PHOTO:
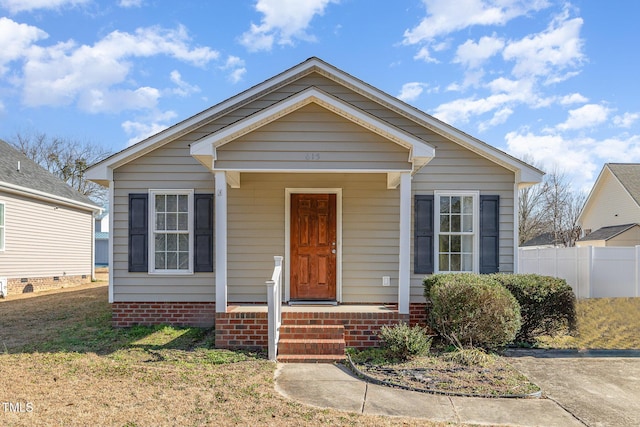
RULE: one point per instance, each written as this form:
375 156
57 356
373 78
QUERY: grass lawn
603 323
62 364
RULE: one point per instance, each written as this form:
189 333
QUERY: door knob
333 251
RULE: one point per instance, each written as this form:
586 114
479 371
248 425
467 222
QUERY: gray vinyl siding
256 217
458 169
169 167
369 241
45 239
312 138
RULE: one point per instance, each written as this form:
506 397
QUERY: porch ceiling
417 152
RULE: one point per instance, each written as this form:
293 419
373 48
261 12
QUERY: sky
553 82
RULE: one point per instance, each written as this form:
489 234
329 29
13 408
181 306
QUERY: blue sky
548 80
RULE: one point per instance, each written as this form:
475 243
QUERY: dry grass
603 323
58 352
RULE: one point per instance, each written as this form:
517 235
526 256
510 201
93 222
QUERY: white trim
220 208
287 235
476 226
112 188
3 226
52 198
516 227
404 266
152 230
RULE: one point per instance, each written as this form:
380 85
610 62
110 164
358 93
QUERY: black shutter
423 238
138 232
489 234
203 233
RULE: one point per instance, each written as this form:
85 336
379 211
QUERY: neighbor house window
456 229
2 227
171 239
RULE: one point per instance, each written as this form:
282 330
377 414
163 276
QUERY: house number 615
312 156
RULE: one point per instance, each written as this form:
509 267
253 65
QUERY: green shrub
547 304
404 342
472 310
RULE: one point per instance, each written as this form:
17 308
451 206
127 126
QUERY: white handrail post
274 307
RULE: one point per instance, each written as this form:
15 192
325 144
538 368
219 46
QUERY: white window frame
152 230
475 233
3 226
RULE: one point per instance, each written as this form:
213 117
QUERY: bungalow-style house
362 194
611 214
46 228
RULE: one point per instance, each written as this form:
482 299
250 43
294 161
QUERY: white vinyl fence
592 272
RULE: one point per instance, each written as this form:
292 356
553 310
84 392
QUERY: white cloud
411 91
15 6
282 22
472 54
588 115
550 52
626 120
498 118
574 98
183 88
113 101
15 39
571 156
147 126
236 68
65 72
446 16
130 3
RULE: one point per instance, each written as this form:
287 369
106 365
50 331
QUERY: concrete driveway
599 388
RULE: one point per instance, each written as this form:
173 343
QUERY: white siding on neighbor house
370 223
311 138
169 167
610 204
45 239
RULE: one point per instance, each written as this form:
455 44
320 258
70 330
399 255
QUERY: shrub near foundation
470 310
547 304
404 342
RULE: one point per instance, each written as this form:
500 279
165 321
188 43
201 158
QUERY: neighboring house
361 193
612 210
102 239
544 240
46 227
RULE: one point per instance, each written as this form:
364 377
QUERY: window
171 239
2 227
456 226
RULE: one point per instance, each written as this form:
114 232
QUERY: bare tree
65 158
553 207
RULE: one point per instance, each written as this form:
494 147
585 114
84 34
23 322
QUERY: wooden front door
313 247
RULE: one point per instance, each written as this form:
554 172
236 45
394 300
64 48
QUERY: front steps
311 343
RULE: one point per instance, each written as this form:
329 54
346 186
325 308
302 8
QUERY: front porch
311 332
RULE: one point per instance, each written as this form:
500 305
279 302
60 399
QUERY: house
541 241
46 228
361 193
611 214
102 239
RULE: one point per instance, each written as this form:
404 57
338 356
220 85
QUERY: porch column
405 243
221 241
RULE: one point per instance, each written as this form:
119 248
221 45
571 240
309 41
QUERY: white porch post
221 241
405 243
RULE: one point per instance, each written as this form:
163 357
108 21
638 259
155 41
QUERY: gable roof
627 174
20 174
544 239
525 174
606 233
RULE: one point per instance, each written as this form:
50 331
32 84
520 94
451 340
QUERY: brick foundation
24 285
248 329
126 314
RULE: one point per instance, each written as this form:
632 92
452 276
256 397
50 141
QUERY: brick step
305 346
311 332
310 358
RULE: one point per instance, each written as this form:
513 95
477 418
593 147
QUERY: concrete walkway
333 386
